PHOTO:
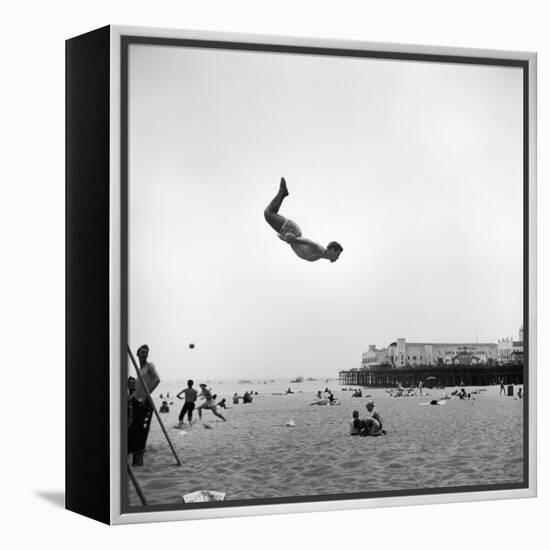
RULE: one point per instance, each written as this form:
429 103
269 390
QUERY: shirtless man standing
289 232
141 407
189 404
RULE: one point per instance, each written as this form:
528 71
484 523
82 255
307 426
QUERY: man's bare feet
282 188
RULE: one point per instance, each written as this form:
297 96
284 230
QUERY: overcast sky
415 168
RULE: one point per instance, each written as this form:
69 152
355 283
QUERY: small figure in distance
290 232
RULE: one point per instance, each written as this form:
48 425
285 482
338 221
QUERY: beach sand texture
254 455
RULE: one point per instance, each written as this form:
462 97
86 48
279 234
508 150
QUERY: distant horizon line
256 380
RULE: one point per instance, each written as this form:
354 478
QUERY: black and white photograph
275 274
326 274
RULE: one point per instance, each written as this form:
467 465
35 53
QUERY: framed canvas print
300 274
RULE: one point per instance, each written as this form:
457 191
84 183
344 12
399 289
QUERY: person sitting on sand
364 427
289 232
357 425
209 403
235 399
164 408
222 404
189 403
373 428
319 395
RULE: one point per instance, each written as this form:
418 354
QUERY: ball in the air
191 346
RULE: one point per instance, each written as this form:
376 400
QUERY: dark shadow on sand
56 498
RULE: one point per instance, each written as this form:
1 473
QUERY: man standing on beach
189 404
141 407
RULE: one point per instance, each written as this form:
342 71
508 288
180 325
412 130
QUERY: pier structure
433 376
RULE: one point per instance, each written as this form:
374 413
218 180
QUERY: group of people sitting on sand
371 424
247 397
325 398
462 394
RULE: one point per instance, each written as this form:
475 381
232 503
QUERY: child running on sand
289 232
209 403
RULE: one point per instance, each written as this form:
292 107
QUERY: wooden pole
136 486
138 371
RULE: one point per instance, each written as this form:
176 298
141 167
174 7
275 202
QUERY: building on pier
402 354
444 364
510 350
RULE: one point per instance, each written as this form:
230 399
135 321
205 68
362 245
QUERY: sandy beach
254 455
